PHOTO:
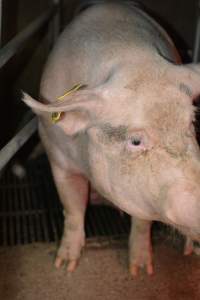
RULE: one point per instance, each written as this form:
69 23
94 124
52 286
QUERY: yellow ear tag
55 116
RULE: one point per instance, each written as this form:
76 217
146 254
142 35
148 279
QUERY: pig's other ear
194 67
78 111
190 78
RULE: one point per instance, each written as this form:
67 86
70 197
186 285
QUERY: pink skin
140 238
128 131
177 210
73 192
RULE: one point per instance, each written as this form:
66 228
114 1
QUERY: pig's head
143 153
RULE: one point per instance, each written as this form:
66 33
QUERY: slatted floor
30 210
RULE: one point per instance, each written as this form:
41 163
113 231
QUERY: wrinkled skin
129 131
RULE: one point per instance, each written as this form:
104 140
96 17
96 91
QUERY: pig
128 130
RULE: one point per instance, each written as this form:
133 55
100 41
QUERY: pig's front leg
140 248
73 193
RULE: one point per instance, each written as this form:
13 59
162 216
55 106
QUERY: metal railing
196 52
6 53
17 142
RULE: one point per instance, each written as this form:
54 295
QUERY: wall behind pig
178 17
24 70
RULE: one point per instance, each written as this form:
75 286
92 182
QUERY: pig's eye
135 141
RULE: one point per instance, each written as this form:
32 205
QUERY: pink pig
129 130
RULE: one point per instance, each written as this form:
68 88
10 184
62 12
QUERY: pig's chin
189 232
192 232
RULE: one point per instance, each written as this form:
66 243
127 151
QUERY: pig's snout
182 206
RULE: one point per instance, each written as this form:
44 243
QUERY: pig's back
101 37
109 29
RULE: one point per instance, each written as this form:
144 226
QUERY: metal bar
56 21
1 7
197 43
17 142
54 24
12 47
196 53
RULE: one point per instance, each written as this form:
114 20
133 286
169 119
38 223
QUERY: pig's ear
78 111
190 79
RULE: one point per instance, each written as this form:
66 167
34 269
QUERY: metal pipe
7 52
9 150
197 43
196 53
12 47
1 8
54 24
56 21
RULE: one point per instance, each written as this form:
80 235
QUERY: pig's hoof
70 249
72 264
190 247
140 258
136 266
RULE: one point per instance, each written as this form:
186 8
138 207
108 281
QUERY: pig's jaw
133 209
189 232
133 203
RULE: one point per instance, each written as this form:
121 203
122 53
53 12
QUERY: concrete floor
27 273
